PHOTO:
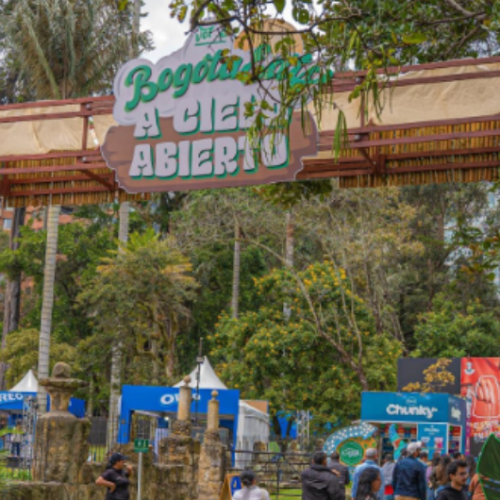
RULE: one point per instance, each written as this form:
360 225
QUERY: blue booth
165 400
438 420
13 402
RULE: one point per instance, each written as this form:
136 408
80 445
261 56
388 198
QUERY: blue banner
14 402
434 437
404 407
166 400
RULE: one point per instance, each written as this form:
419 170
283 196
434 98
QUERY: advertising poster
480 386
434 437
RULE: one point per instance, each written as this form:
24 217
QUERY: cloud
168 34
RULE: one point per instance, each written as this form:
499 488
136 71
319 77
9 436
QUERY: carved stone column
212 457
61 442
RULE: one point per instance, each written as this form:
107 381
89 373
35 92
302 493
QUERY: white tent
208 377
29 383
253 424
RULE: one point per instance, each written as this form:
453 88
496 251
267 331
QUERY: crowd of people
412 477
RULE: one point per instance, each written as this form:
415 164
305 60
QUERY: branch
457 6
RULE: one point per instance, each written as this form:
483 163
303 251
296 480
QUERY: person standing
371 455
388 473
369 484
430 476
341 470
409 476
476 489
319 482
250 490
116 478
457 477
16 440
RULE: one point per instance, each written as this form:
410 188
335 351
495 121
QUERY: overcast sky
168 34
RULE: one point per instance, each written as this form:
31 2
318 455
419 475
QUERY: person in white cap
371 455
409 476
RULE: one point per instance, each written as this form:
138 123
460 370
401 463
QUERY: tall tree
12 301
64 49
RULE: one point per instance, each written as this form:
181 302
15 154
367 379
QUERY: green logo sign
141 445
351 453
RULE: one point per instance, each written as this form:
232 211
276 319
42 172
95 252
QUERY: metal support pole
139 478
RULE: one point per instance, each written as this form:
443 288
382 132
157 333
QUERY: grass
288 495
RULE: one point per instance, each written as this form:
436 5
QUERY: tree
449 331
64 48
143 292
371 35
319 358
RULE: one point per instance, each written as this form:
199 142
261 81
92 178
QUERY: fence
278 472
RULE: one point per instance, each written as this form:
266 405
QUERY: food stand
437 420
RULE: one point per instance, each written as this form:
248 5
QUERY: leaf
414 38
280 5
300 15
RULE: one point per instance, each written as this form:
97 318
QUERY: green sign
351 453
141 445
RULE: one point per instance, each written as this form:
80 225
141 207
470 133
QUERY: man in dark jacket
319 482
341 470
456 489
409 476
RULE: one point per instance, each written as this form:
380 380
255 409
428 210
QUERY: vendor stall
163 401
12 401
438 420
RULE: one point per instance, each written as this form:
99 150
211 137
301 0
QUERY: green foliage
318 358
21 353
66 48
450 331
141 294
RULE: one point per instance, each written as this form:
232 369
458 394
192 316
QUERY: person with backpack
250 490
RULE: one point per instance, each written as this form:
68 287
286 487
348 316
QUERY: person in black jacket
456 489
319 482
342 470
116 478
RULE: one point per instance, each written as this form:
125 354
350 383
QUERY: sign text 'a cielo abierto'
183 122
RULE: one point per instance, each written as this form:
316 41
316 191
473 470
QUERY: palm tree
65 49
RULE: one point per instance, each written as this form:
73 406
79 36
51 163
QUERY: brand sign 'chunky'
183 122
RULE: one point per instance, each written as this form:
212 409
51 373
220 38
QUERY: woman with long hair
369 484
430 475
250 490
441 475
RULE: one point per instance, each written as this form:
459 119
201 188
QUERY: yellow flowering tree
318 359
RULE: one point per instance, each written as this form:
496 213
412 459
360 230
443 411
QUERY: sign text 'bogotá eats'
182 122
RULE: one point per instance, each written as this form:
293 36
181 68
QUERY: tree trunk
289 253
116 354
49 274
236 272
12 307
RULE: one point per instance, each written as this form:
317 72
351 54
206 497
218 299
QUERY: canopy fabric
208 377
28 383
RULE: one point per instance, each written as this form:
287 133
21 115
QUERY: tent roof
208 377
29 383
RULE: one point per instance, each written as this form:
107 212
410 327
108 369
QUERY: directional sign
141 445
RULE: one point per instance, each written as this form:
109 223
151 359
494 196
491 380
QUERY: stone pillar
184 408
179 452
61 441
212 457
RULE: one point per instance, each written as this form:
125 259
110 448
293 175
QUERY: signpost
140 446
